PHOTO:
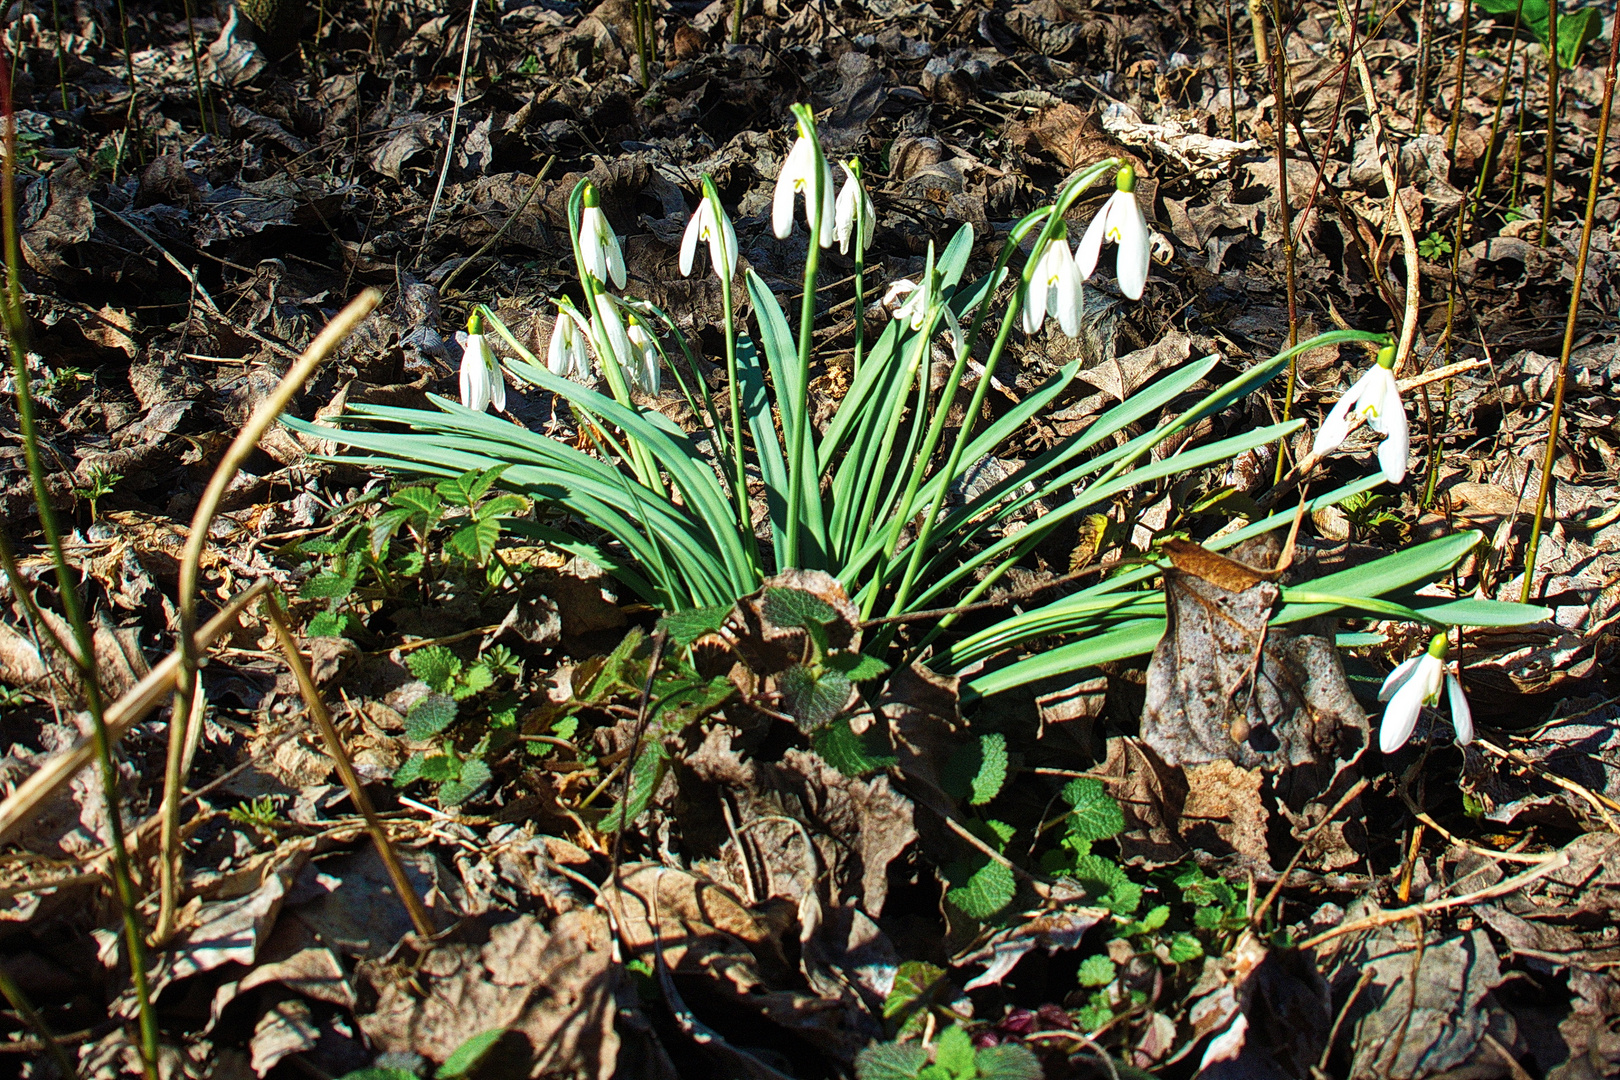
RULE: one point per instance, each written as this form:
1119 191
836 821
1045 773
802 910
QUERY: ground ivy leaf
1096 971
986 894
846 751
992 771
891 1061
1096 816
435 665
953 1052
1008 1062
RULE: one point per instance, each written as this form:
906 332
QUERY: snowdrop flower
1054 287
643 366
1120 221
481 380
566 355
598 247
1377 399
911 303
1414 684
710 224
852 196
800 173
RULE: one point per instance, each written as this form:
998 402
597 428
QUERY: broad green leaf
440 768
332 584
858 667
1097 875
328 624
476 542
917 985
1184 947
429 716
685 627
435 665
473 775
992 772
644 780
410 771
1096 971
1575 27
797 608
891 1061
986 894
846 751
680 703
1009 1061
420 501
478 679
466 1057
953 1052
380 1074
813 697
1095 814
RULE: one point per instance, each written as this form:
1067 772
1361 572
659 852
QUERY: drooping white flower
1121 222
566 355
482 382
800 173
850 197
598 247
1376 398
710 224
1415 683
1054 287
643 367
910 303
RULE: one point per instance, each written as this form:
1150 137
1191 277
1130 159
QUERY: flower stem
1574 310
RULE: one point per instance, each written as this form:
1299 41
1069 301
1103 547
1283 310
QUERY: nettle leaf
1096 874
469 1054
992 768
335 584
796 607
440 767
840 747
1184 947
1095 815
1009 1062
858 667
1096 971
473 774
410 771
953 1052
328 624
891 1061
476 542
685 627
435 665
813 697
986 894
429 716
478 678
644 780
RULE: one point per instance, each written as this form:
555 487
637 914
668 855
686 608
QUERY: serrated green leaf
1096 874
679 704
410 771
891 1061
435 665
1095 815
418 500
503 505
328 624
858 667
986 894
384 526
331 584
477 680
644 779
380 1074
685 627
476 542
1155 918
814 698
796 608
473 774
1124 898
469 487
440 768
1184 947
1009 1061
916 982
848 752
466 1057
953 1052
430 715
992 772
1096 971
998 833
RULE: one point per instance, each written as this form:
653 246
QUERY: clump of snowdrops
692 521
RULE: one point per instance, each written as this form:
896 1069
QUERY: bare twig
455 117
247 440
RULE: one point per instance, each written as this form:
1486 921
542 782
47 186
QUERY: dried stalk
247 440
322 717
1574 302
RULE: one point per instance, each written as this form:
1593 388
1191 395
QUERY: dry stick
1457 94
1282 878
1602 804
1420 90
1385 918
539 178
1409 318
1552 129
1496 115
322 716
124 714
1279 91
247 440
1574 304
455 116
1257 24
